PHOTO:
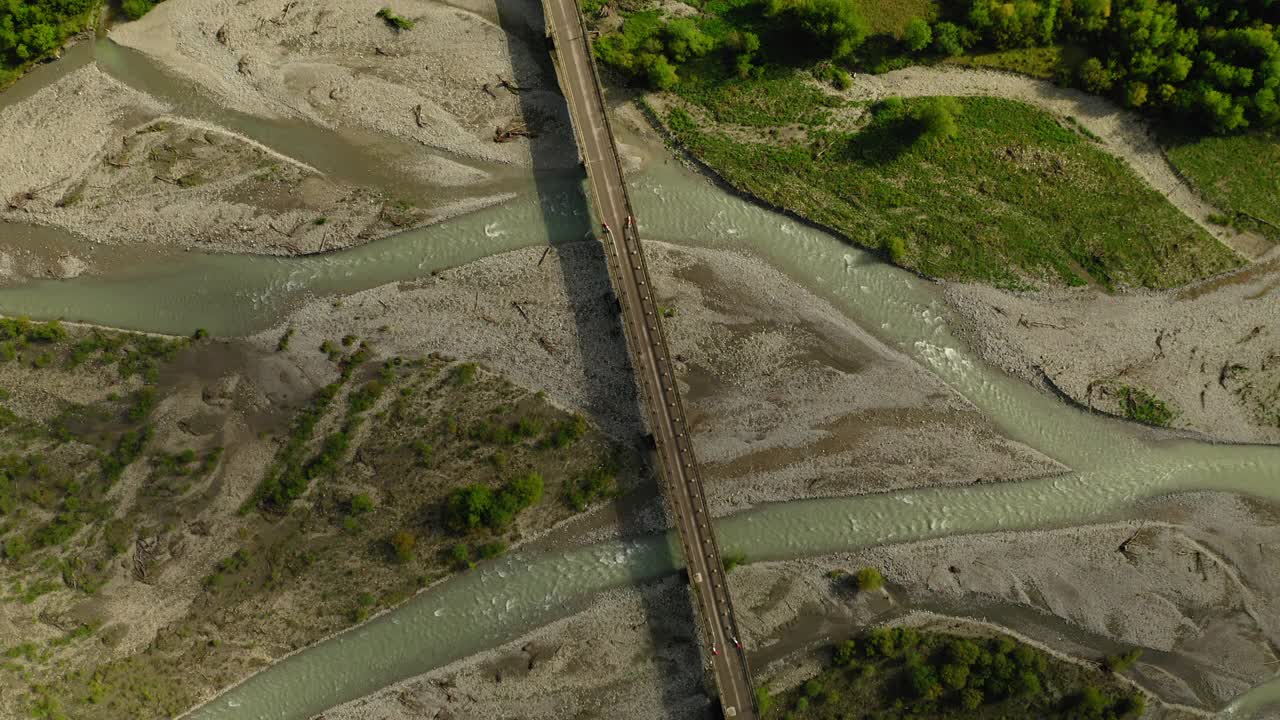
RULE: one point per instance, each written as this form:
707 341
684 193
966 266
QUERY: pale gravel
1174 344
59 132
1122 133
743 405
336 64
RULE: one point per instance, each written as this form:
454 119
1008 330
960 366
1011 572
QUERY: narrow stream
1116 463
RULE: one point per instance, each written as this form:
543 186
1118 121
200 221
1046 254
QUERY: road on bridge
642 323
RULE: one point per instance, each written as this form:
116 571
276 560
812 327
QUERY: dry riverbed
1208 353
103 161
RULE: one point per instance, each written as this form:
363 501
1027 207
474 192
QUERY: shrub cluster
474 507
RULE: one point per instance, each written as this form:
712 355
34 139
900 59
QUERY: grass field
1013 199
1040 62
1238 174
891 16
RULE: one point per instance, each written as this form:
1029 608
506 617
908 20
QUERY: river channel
1116 464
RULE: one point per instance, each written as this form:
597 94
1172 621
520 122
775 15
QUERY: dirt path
1122 133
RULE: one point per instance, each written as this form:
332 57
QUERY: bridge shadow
601 344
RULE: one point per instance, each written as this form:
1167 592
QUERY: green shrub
464 374
403 544
460 557
869 579
1121 662
395 21
733 560
1144 407
360 504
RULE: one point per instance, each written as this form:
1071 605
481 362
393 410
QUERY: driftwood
544 256
520 310
489 91
505 83
221 35
1024 322
417 116
546 345
517 130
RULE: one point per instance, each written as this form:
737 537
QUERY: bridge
642 324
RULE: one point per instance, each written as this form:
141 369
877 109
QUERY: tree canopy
30 29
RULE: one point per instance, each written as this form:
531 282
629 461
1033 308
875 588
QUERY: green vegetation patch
1239 174
891 16
1040 62
1142 406
997 192
394 20
901 673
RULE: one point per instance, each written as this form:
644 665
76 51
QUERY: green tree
946 39
466 508
971 699
955 675
846 653
836 27
936 118
685 41
917 35
661 73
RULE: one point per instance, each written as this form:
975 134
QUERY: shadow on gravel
601 344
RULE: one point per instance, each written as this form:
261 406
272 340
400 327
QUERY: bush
917 35
733 560
937 118
1121 662
464 374
897 248
869 579
402 546
460 557
360 504
845 654
395 21
947 39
